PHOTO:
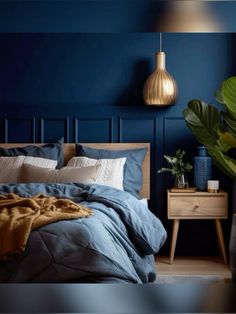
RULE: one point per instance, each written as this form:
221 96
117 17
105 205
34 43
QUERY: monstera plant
216 129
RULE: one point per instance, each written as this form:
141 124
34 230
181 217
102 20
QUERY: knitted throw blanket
20 215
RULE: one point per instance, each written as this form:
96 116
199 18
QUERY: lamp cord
160 42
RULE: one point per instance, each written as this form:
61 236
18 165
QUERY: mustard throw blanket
20 215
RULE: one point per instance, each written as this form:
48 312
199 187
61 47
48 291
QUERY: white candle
213 186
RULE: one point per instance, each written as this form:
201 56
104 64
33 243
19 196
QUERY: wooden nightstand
198 205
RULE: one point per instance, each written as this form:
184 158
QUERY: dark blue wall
87 87
100 15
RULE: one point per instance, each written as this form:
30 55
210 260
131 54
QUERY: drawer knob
195 207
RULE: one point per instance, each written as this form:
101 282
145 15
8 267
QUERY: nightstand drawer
197 206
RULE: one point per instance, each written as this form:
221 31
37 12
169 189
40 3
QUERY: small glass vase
181 181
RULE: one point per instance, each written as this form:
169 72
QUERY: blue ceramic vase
202 167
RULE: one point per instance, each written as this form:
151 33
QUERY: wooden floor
193 266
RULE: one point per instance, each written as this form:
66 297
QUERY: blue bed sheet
115 244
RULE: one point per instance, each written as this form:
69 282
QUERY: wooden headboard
69 152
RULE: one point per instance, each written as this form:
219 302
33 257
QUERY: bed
116 243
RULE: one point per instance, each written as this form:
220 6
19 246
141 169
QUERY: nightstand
197 205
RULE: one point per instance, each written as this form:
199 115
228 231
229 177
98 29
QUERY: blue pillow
50 151
133 178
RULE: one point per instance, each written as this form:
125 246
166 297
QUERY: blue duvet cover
115 244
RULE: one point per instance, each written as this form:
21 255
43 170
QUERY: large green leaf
226 141
207 125
222 161
219 96
204 121
228 92
230 123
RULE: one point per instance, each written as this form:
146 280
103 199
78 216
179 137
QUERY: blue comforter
115 244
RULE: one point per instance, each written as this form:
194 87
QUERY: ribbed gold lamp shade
160 88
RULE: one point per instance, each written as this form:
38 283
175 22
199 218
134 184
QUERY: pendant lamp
160 88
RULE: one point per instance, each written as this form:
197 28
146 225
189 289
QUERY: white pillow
10 167
64 175
110 173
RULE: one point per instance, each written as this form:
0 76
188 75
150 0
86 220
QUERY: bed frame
69 152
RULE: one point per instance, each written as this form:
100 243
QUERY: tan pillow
66 174
10 167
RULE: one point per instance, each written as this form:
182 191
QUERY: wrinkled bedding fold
21 215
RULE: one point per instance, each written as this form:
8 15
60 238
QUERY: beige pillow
110 173
10 167
66 174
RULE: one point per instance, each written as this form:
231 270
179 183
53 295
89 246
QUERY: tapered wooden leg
220 238
174 239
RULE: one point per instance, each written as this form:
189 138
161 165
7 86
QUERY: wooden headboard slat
69 152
